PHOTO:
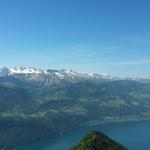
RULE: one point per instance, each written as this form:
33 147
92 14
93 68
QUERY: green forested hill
98 141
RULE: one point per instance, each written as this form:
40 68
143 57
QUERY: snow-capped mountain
50 76
4 71
32 73
43 78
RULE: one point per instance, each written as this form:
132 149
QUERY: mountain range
38 104
56 76
51 74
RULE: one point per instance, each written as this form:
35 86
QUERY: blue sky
103 36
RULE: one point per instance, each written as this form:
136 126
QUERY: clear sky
103 36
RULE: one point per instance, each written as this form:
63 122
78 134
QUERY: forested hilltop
98 141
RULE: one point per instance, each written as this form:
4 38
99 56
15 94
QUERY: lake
133 135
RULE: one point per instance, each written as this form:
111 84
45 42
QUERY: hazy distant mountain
98 141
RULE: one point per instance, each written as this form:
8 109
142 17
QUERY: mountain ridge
32 73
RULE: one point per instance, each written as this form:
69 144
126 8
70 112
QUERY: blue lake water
133 135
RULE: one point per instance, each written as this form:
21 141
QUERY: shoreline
115 120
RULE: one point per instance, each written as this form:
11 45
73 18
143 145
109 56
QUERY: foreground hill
98 141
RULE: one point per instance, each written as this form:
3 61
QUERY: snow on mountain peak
26 70
4 71
31 73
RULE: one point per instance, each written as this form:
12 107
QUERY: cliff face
98 141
